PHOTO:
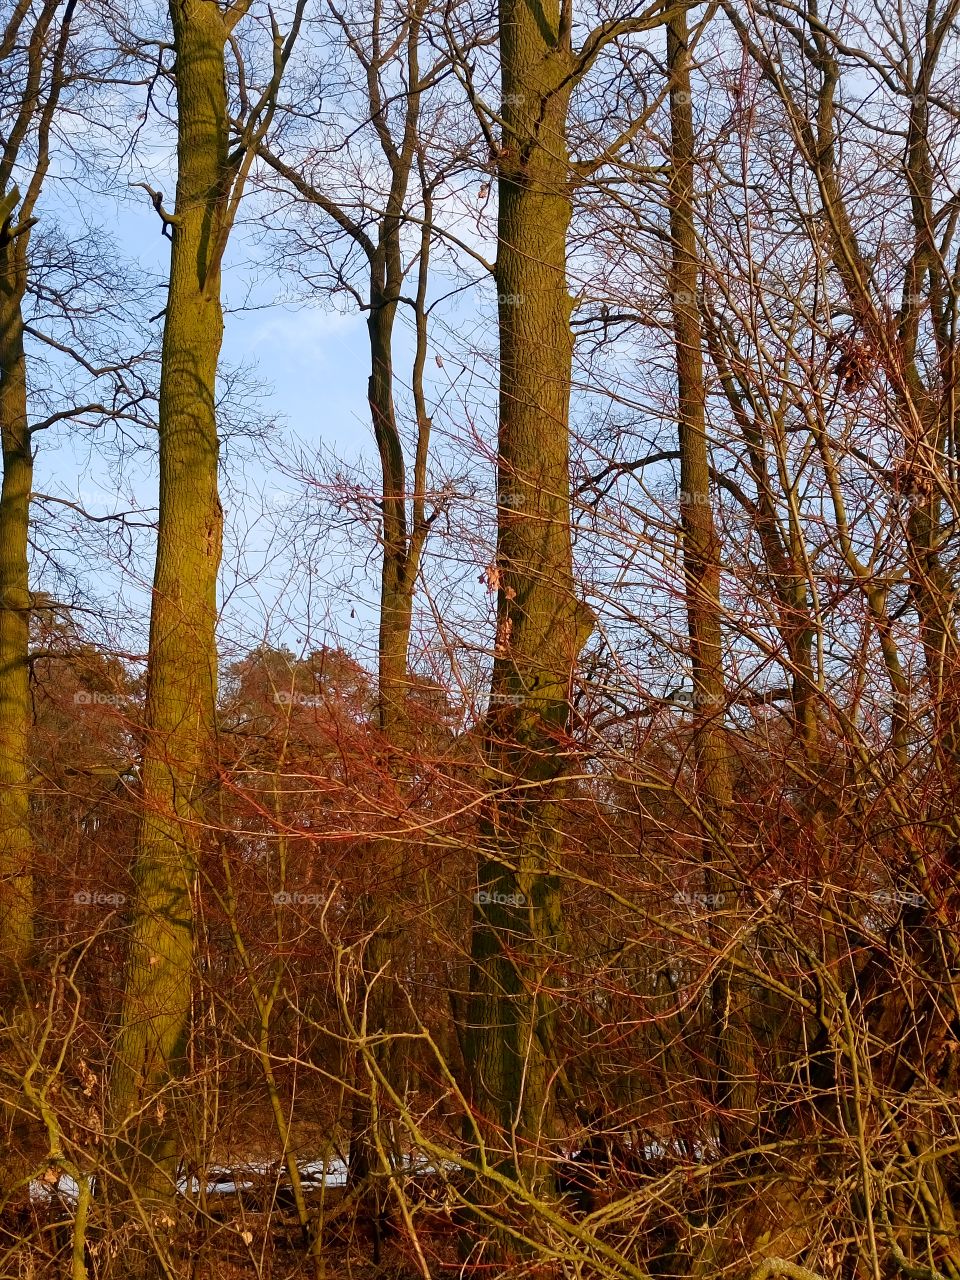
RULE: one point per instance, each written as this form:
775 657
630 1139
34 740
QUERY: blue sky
310 360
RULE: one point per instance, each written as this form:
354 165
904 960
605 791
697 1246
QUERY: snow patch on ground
222 1180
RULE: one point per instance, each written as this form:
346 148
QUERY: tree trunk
16 842
541 625
731 1041
397 581
178 763
402 545
396 594
16 846
39 70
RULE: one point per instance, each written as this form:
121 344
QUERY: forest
479 639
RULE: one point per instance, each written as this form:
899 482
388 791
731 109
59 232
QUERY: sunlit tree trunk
179 755
541 625
37 46
16 842
403 534
397 584
16 897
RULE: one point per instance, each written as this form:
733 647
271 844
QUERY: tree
179 762
542 625
732 1048
68 358
387 48
30 33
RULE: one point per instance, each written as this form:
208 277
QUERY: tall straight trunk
380 915
40 61
731 1042
16 846
403 542
396 589
541 625
26 131
16 842
178 763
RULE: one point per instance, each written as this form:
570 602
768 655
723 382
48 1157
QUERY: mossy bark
541 625
179 755
40 34
16 840
16 845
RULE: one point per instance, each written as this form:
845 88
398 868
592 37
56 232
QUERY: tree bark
403 541
16 839
541 626
16 844
179 756
27 132
379 909
731 1041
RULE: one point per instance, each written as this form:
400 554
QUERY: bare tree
179 762
30 33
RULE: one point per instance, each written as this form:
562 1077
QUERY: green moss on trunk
541 625
16 896
179 755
